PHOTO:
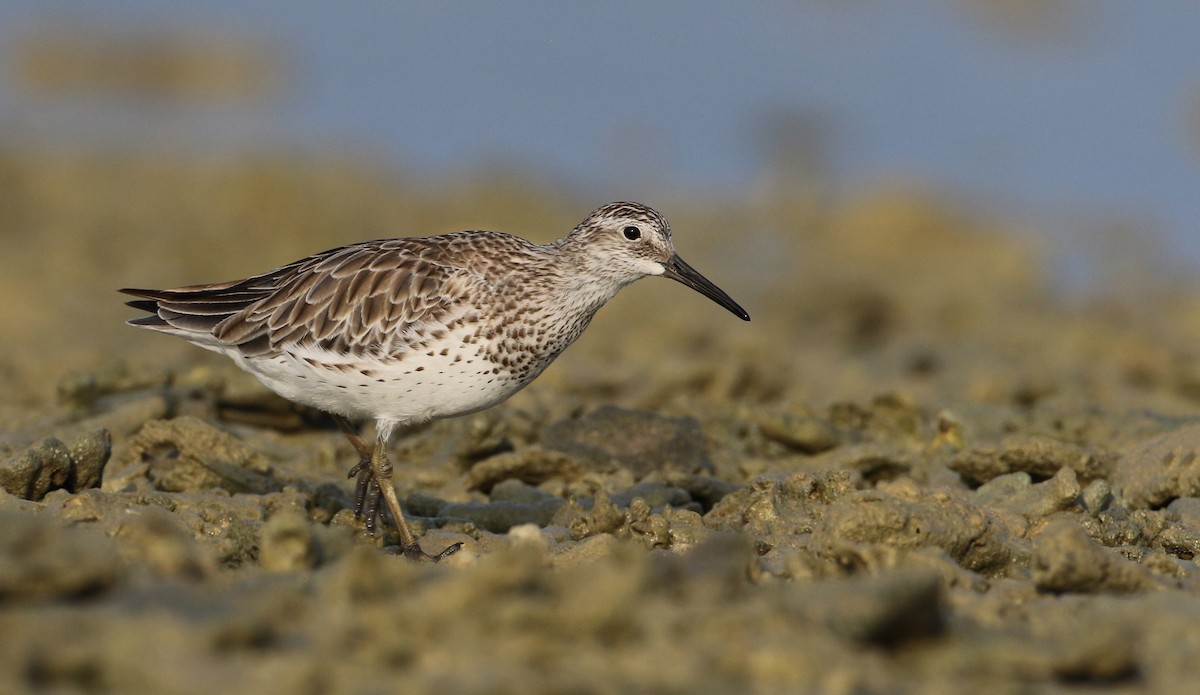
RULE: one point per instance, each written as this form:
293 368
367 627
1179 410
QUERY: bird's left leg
366 489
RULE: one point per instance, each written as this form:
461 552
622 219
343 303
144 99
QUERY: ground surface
914 471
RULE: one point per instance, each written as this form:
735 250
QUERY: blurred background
887 156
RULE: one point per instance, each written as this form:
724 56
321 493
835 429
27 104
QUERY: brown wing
348 299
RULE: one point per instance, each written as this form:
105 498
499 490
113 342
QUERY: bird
407 330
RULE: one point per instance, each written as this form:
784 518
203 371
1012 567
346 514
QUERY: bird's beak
676 269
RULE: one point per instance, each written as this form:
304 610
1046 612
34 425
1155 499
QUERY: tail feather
144 304
196 310
205 308
151 321
197 323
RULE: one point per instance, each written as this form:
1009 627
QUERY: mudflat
920 468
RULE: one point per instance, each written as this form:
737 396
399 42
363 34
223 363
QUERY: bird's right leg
381 471
374 472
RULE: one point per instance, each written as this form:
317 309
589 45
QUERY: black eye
632 233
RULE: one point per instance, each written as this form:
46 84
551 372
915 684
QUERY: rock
656 496
889 418
39 470
1040 457
966 533
1066 559
1097 496
641 441
1118 526
641 523
1014 492
513 490
1159 469
1187 511
602 517
532 465
777 504
873 461
804 433
88 458
52 466
189 454
499 517
1181 541
685 529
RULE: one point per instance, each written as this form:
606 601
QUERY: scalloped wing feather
354 298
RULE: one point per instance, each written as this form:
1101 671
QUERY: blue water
1086 130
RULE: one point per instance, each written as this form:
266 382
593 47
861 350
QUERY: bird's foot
414 552
367 496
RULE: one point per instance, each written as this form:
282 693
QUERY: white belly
417 388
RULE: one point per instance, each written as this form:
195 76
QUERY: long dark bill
676 269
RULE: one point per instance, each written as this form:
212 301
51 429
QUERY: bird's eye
632 233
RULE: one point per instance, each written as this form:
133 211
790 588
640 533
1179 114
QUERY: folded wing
351 299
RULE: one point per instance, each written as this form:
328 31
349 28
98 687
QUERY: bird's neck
582 280
564 294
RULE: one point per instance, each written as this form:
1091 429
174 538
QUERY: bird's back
349 298
403 328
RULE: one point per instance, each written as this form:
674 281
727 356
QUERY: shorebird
407 330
